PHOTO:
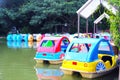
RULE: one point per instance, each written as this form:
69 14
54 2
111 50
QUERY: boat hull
88 74
50 61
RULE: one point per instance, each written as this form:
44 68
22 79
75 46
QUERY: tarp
91 6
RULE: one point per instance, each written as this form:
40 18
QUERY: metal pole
119 64
87 26
78 25
119 73
94 28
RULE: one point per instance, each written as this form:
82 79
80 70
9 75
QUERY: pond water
17 63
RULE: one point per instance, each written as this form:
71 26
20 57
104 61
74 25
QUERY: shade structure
90 7
104 15
109 7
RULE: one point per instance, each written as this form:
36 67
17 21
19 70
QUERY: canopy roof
104 15
92 53
51 44
91 6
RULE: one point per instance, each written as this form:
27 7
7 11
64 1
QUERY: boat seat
107 58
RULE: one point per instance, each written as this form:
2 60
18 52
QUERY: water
17 63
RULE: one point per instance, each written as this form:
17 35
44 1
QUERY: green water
17 63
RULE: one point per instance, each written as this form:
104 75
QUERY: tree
12 4
6 18
115 23
8 14
36 14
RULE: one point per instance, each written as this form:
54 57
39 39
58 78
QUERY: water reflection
22 44
18 64
110 76
53 74
48 72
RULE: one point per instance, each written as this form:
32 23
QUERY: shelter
104 15
90 7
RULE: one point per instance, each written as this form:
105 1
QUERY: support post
94 28
87 26
78 25
119 63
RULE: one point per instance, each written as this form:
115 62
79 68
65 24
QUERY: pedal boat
52 49
90 57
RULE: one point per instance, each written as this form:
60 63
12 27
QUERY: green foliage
37 13
6 17
115 23
25 30
115 29
13 4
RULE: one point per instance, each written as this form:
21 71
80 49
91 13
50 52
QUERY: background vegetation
39 16
115 23
44 16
